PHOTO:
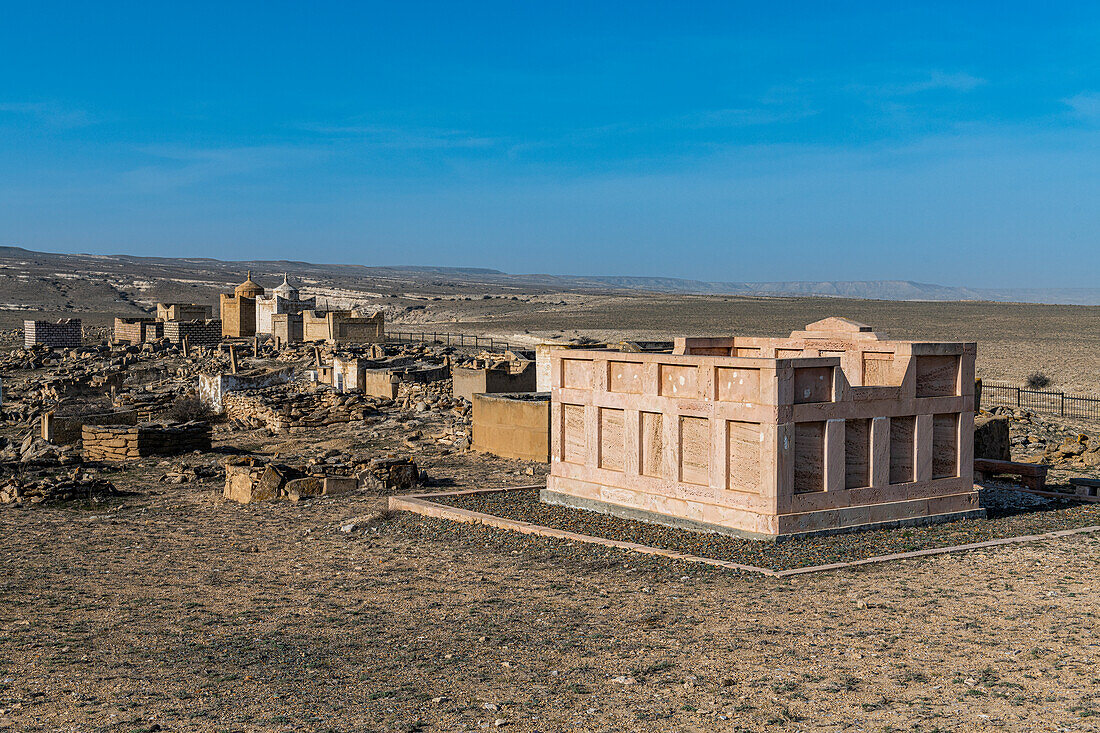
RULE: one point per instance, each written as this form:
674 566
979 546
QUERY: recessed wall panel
574 444
611 439
695 450
736 384
745 464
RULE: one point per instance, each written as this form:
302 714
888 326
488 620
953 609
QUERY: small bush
1038 380
187 408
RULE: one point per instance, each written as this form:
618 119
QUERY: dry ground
172 610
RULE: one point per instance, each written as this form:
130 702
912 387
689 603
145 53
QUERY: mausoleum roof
249 289
286 290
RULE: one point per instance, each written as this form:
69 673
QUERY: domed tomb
286 290
249 288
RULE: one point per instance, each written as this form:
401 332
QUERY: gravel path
1012 514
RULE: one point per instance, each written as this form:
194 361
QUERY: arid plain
168 608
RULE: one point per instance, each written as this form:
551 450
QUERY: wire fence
1041 401
455 339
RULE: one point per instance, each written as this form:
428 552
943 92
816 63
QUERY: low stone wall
285 411
147 405
128 442
197 333
513 425
65 429
213 388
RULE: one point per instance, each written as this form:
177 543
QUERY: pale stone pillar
783 490
834 455
591 436
719 450
632 442
923 449
880 452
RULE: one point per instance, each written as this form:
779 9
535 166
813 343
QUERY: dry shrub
1038 380
187 408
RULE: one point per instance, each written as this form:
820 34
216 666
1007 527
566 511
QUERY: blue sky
954 143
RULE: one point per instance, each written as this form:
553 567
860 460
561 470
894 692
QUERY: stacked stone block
115 443
256 480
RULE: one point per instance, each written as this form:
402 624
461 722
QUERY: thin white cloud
400 138
49 113
734 118
928 81
1085 105
175 167
956 82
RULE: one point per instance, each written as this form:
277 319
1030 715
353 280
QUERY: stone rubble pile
37 489
189 474
252 480
1078 451
1038 439
421 396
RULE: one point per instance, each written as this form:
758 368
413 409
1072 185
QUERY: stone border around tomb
554 498
422 504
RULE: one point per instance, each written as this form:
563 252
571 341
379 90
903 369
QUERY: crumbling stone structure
66 429
63 334
254 480
238 311
138 330
184 312
367 377
283 410
829 430
214 387
506 375
343 327
284 299
114 443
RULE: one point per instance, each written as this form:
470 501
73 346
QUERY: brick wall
138 330
198 333
63 334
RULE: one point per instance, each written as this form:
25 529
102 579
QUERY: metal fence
1050 403
455 339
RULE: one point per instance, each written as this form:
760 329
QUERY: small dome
248 288
286 290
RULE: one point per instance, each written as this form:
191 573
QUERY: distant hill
860 289
101 286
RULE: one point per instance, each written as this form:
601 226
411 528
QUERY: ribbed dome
286 290
248 288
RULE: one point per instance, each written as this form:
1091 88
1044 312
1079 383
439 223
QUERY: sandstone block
991 438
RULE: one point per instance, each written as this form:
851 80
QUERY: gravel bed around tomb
1011 514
